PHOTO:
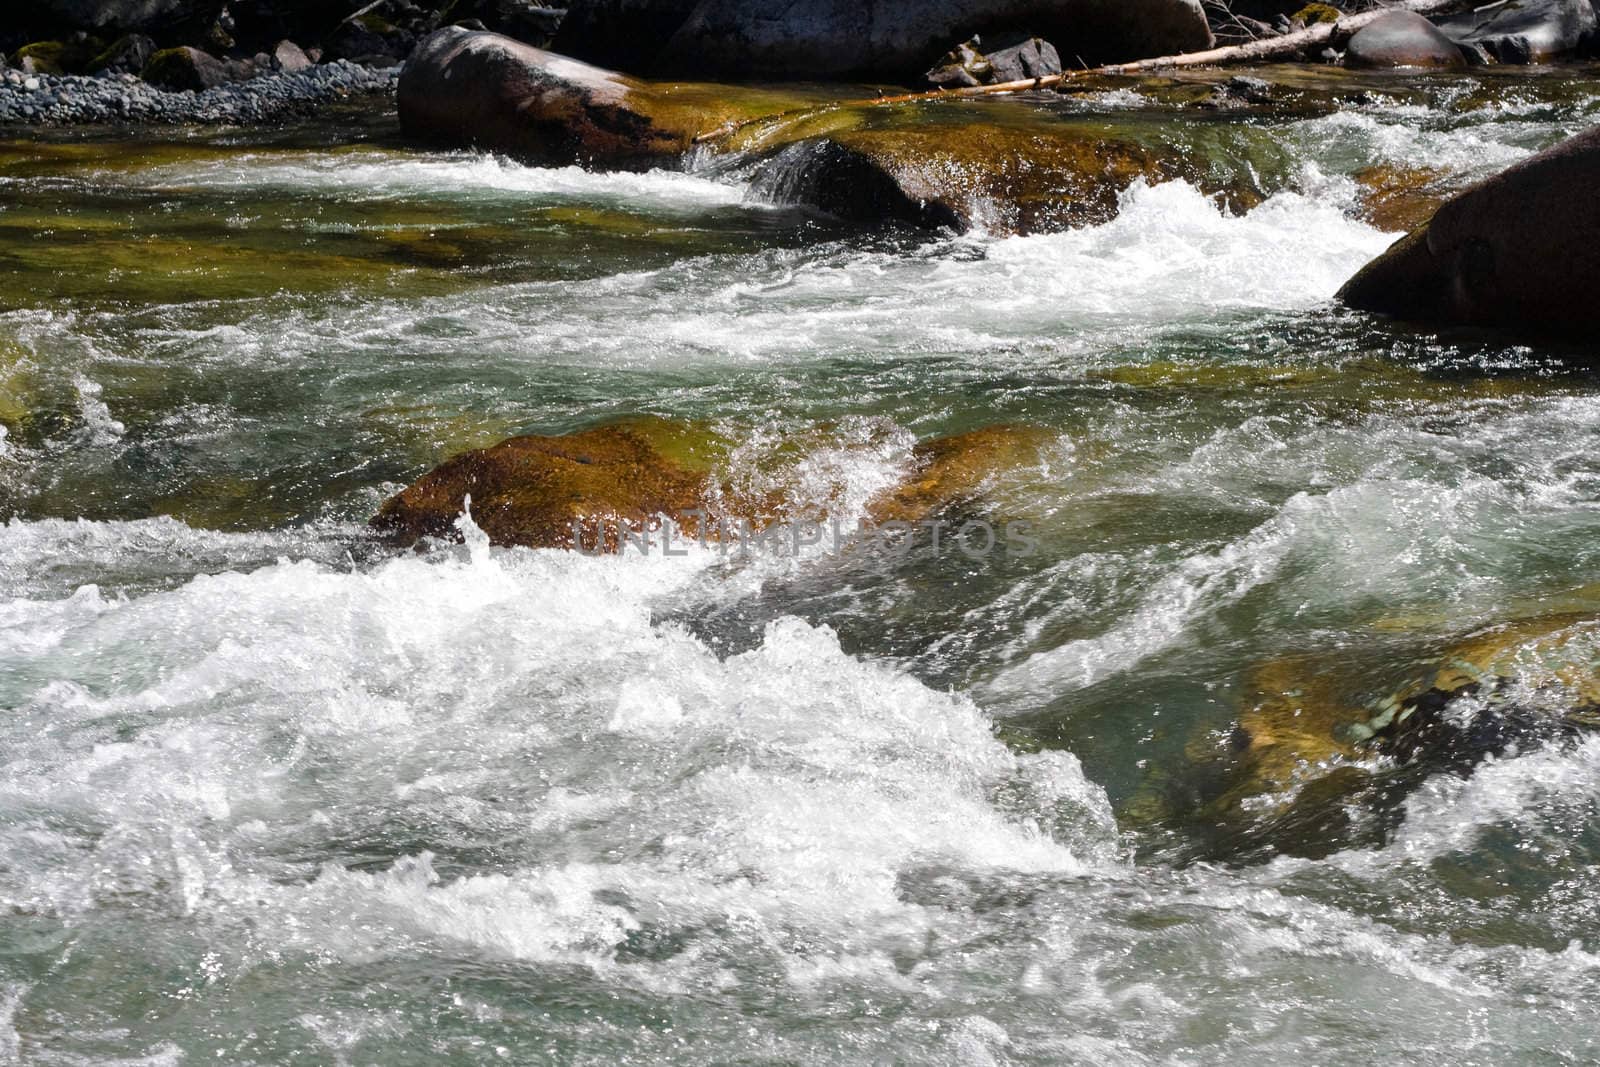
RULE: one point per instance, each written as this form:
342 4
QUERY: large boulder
978 173
123 15
1401 39
887 39
1522 31
580 490
1520 250
473 88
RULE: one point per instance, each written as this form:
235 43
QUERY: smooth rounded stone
472 88
1520 250
834 39
1401 39
1522 31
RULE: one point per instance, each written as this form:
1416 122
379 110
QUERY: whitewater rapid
270 789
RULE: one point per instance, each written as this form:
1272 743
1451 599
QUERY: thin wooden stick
1266 48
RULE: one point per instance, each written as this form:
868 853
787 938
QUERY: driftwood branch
1267 48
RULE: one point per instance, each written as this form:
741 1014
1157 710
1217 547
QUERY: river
272 791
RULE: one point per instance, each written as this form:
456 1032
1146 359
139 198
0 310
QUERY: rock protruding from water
872 39
537 492
1003 168
1520 250
1001 177
1522 31
584 490
1402 39
473 88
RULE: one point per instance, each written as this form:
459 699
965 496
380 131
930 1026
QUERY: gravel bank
40 99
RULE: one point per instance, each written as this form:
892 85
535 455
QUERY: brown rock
530 491
950 470
1401 39
1520 250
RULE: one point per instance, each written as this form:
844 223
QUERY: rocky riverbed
58 100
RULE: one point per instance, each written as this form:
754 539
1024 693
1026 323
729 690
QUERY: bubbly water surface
271 792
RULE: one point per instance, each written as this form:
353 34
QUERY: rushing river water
272 792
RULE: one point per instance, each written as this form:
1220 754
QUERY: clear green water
270 792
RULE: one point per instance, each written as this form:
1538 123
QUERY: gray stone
996 58
1522 31
1401 39
289 57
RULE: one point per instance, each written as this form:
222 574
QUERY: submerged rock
1400 199
1522 31
768 39
955 469
1402 39
1310 768
1520 250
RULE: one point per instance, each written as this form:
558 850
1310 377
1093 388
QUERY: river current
274 792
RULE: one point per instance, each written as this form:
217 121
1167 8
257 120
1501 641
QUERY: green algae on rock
1313 765
537 492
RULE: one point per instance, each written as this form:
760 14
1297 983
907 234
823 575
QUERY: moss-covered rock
128 54
184 68
542 492
72 56
1002 178
1312 14
537 492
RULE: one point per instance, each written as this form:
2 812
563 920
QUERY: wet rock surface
1520 251
1311 768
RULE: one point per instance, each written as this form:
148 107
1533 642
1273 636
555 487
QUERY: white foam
375 175
792 784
